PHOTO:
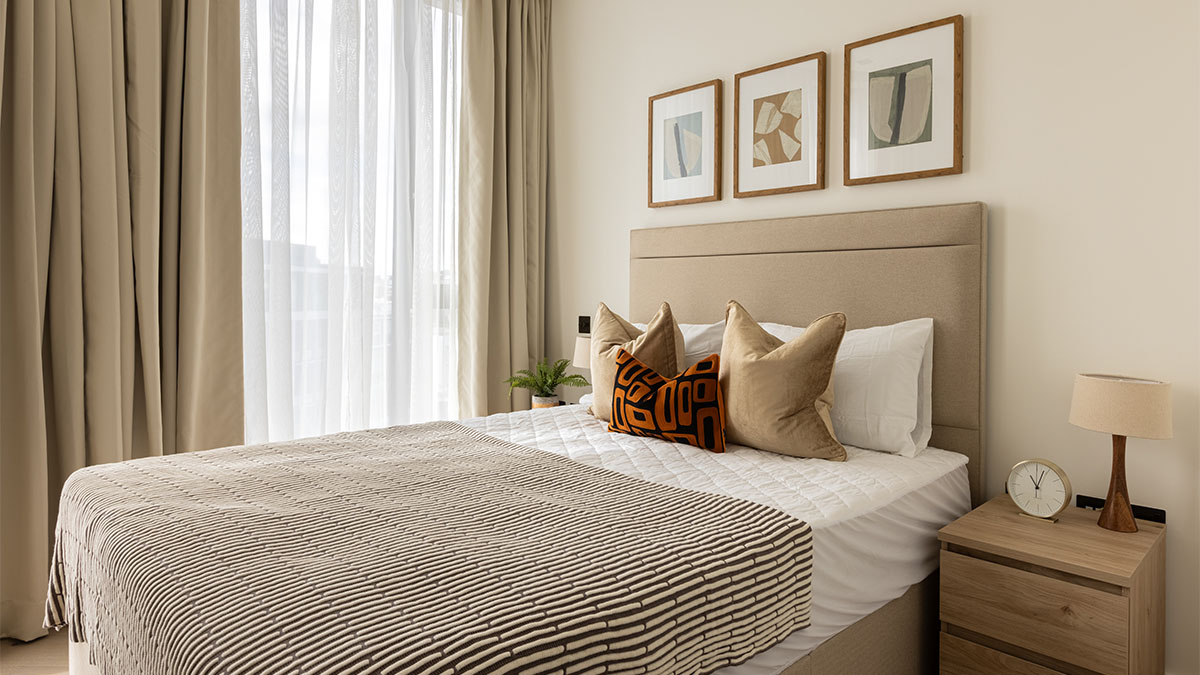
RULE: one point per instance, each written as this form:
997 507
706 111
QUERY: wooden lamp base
1117 514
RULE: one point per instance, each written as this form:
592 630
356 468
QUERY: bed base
899 638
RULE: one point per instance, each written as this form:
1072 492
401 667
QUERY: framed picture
685 145
779 128
904 104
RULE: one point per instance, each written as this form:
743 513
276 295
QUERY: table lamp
1121 406
583 352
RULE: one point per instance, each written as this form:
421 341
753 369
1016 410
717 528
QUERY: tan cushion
660 347
778 395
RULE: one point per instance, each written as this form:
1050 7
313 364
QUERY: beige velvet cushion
778 395
660 346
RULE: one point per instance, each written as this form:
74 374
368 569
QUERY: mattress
874 517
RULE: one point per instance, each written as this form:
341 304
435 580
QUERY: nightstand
1029 597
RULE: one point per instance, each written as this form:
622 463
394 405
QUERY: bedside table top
1075 544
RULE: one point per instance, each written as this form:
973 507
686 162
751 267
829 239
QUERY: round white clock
1039 487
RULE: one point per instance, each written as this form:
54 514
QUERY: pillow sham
884 383
778 395
687 408
660 347
699 340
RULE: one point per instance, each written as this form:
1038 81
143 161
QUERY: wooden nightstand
1027 597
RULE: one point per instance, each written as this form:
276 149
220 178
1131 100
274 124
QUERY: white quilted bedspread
820 492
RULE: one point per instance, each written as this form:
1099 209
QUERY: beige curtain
120 243
502 207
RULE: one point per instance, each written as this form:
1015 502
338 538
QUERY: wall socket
1140 512
1097 503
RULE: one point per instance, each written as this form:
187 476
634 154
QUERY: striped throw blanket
423 549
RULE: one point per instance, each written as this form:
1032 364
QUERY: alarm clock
1039 488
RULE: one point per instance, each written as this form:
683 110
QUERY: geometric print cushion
687 408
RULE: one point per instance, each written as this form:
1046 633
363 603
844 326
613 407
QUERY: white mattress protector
874 517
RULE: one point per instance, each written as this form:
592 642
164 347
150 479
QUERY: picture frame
888 133
781 146
684 154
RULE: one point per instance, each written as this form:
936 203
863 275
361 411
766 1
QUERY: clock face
1039 488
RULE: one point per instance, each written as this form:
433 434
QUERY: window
350 114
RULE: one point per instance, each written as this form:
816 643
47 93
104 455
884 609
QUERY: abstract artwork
779 127
684 136
900 102
903 104
777 130
684 156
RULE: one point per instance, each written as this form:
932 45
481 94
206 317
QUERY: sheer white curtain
350 126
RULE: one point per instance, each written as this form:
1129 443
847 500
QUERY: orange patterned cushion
687 408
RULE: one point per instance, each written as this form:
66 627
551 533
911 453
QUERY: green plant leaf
575 381
545 378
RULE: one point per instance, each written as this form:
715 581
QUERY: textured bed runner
421 549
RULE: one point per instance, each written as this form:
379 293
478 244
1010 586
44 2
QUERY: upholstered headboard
879 267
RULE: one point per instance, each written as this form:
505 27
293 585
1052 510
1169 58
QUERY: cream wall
1081 135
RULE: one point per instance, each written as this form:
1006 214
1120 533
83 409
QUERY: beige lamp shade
583 353
1122 406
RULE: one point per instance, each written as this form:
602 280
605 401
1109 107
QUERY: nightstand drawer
1076 624
959 657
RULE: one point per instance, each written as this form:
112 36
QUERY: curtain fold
503 198
350 122
26 176
119 253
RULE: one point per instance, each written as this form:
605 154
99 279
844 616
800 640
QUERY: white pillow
699 340
882 385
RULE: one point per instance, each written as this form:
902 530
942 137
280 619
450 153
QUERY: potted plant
543 382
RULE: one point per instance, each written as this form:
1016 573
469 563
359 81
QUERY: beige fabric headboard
879 267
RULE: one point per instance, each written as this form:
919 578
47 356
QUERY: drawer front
1075 624
959 657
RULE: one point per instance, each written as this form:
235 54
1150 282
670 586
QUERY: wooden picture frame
696 148
896 158
768 167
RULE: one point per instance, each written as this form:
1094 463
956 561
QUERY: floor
47 656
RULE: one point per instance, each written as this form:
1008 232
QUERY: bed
873 520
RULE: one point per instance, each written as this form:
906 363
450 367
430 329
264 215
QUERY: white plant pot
545 402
